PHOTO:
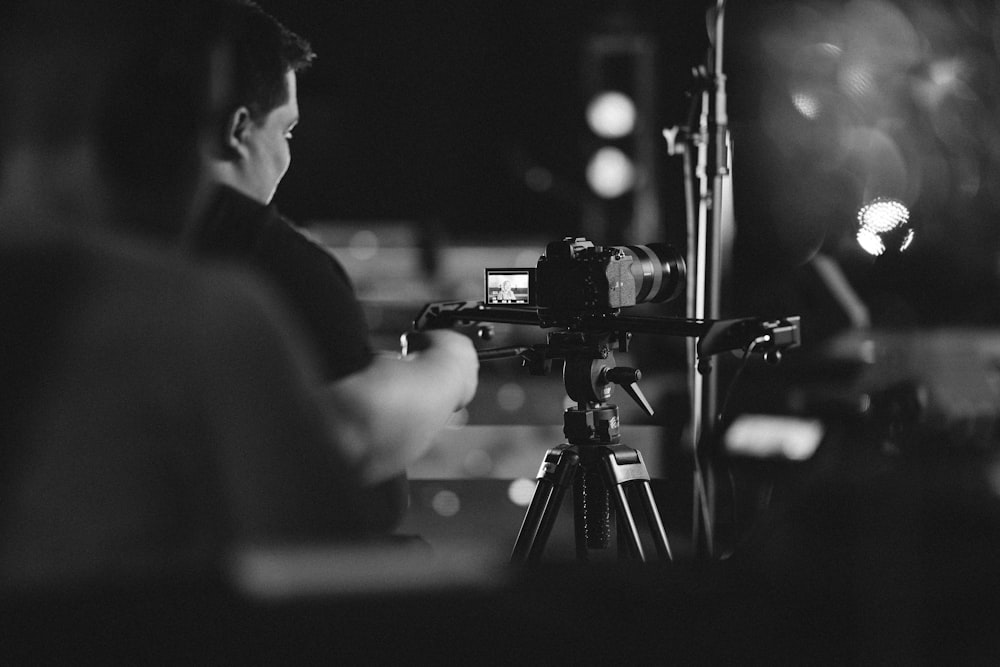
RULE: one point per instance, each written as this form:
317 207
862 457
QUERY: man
394 405
153 416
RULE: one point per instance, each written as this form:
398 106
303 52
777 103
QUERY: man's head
253 153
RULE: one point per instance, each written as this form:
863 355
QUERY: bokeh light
611 115
883 224
610 172
521 491
883 215
874 98
446 503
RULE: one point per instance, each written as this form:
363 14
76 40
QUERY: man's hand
386 416
451 349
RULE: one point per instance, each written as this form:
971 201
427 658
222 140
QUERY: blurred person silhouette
393 403
154 415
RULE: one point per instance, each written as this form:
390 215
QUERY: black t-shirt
317 290
310 278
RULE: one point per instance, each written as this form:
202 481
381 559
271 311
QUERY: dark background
430 111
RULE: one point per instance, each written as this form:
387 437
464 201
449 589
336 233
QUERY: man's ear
234 141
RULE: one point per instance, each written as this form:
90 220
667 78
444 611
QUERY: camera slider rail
768 336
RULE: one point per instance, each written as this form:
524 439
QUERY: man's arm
286 474
392 410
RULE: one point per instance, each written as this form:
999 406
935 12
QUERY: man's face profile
268 154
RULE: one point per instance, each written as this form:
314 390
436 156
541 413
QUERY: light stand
704 261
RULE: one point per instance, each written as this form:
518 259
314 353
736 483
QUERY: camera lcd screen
511 287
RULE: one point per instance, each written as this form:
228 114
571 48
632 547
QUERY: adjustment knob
628 378
623 375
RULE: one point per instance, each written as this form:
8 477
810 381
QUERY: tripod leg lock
625 465
558 466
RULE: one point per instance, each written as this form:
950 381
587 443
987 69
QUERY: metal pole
707 261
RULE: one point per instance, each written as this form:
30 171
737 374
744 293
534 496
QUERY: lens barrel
659 271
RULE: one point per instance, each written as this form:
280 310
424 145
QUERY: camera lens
658 270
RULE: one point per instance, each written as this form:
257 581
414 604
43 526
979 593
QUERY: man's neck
222 172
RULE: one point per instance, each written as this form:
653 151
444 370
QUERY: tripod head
589 371
586 343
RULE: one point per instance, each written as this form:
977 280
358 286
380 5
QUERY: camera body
577 276
574 274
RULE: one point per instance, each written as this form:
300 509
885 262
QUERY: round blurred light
538 179
446 503
883 225
611 115
882 215
610 173
807 104
521 491
870 242
858 80
363 244
510 397
477 463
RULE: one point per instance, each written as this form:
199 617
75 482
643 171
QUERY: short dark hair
264 51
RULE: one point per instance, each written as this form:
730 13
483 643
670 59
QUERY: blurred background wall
452 113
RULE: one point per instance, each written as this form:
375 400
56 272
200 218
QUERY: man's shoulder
238 225
144 286
286 243
287 230
232 224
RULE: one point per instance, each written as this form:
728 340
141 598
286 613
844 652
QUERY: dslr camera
576 276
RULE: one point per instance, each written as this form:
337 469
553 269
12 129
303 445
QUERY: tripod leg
556 473
624 465
655 523
626 524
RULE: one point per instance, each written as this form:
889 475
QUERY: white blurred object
610 172
774 436
959 369
883 224
611 115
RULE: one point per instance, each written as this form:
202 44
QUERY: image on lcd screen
512 287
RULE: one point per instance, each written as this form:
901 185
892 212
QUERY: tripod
593 461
